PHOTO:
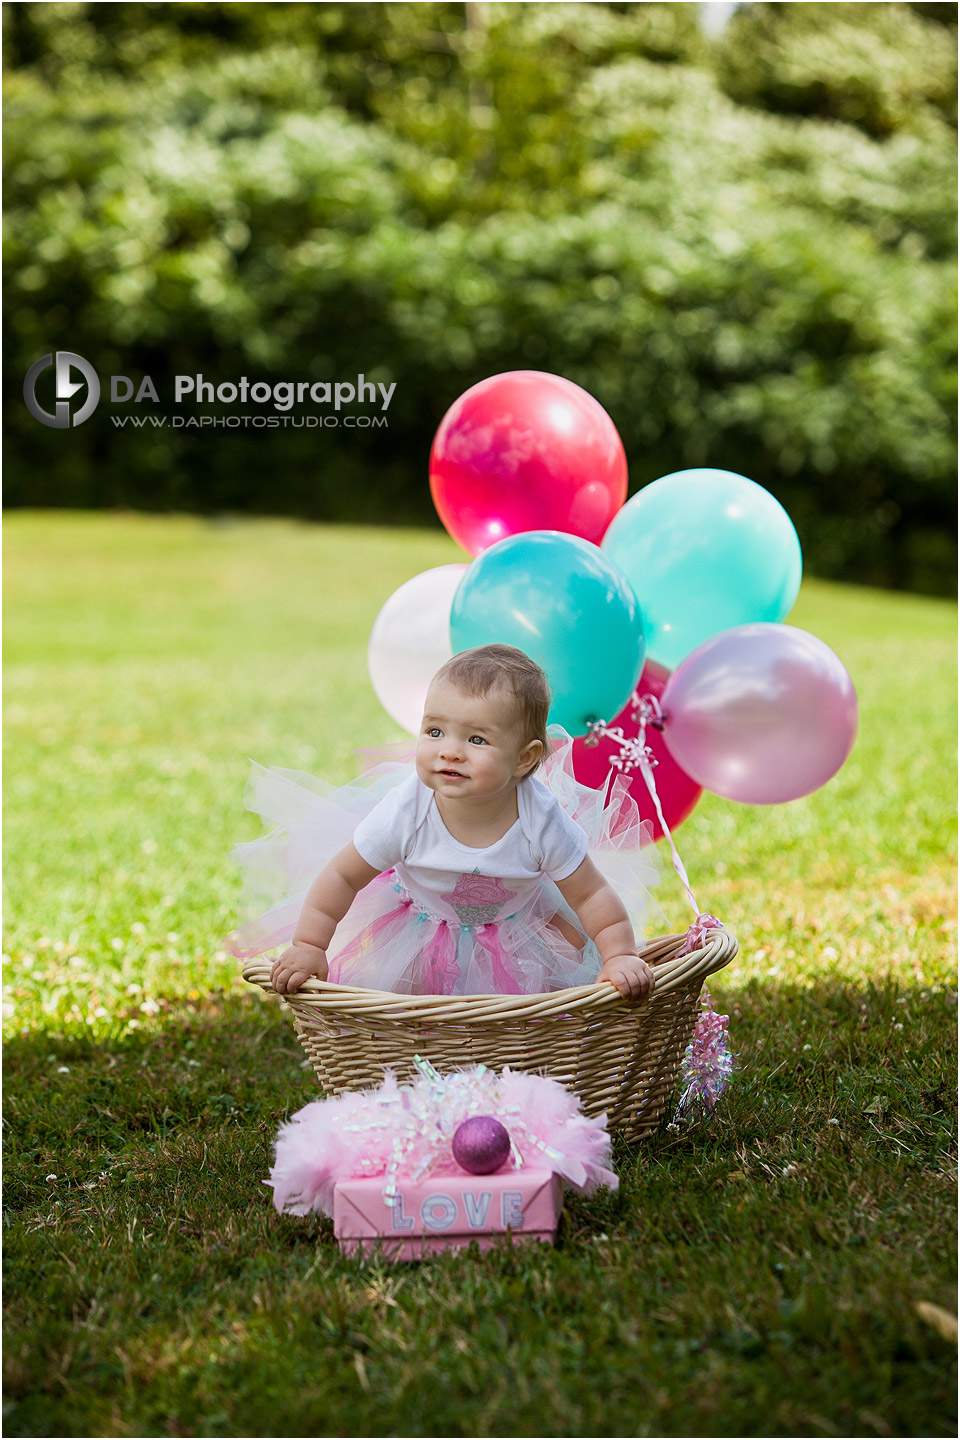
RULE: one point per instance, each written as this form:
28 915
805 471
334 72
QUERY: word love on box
446 1212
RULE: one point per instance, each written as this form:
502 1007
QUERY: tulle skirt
387 941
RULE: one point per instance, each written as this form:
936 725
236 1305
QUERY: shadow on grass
764 1262
876 1059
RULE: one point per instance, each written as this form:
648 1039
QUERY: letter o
445 1204
222 392
265 392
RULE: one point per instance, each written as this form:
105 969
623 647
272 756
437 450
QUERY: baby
468 877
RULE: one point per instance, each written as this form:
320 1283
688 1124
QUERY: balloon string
650 711
635 754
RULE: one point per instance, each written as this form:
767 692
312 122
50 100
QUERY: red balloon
678 792
526 451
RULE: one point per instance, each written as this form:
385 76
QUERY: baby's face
471 746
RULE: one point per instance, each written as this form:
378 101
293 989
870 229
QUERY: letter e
511 1209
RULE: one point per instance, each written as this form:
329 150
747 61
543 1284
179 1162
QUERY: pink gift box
447 1211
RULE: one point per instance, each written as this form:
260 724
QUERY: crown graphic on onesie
478 899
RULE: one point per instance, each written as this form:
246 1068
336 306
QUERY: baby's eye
434 733
477 740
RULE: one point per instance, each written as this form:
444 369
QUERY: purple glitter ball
481 1145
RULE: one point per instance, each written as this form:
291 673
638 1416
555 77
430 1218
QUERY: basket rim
670 973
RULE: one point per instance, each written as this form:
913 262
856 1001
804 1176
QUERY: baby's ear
530 757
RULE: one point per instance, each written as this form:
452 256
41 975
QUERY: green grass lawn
756 1274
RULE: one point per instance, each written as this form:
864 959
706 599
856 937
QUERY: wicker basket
620 1058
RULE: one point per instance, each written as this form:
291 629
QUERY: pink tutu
390 940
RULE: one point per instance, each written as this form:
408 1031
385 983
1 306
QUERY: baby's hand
631 975
296 964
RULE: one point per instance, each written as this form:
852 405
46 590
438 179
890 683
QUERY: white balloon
410 640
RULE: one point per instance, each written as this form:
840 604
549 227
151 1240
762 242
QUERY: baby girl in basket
464 874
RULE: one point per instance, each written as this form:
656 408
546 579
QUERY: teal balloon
705 550
569 607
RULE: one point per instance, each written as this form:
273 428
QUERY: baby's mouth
455 774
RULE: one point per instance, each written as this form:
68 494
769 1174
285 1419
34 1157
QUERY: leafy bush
310 192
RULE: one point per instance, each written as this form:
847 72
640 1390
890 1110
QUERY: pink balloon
761 713
678 793
526 451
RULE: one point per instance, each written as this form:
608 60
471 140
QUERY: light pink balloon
761 713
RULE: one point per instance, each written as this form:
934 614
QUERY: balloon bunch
693 576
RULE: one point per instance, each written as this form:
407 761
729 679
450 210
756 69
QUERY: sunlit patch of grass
758 1272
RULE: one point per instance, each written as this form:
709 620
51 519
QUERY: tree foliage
745 249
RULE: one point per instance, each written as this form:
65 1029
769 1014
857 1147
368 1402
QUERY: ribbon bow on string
635 754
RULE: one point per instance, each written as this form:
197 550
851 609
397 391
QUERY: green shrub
310 192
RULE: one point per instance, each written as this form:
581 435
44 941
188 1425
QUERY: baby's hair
479 671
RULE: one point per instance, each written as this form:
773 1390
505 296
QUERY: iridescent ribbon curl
707 1064
429 1113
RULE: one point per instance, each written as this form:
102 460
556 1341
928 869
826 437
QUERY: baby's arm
604 917
328 900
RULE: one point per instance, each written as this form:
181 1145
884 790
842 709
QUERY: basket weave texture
619 1058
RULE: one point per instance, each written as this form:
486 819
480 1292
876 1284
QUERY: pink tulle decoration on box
406 1133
